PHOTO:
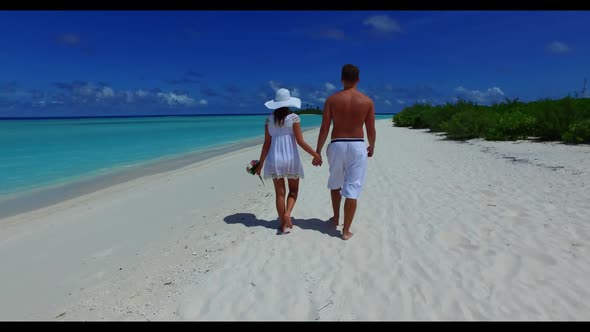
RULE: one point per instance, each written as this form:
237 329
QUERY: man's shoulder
338 95
364 98
363 95
333 96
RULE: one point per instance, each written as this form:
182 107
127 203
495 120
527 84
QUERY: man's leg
336 199
355 171
336 179
349 210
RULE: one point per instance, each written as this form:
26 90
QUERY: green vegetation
578 132
308 109
565 119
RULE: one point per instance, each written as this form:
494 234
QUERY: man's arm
325 128
371 133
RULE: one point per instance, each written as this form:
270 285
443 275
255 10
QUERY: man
347 157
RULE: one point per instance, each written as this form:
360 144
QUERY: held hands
317 160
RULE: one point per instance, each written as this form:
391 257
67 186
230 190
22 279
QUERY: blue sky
80 63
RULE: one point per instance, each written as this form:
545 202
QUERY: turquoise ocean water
37 153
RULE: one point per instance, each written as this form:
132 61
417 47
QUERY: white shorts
348 164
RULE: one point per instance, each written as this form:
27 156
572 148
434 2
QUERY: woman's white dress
282 160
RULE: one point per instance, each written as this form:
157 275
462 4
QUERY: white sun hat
283 99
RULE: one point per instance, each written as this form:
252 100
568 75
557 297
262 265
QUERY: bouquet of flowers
251 168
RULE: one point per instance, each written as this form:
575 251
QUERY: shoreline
79 184
33 199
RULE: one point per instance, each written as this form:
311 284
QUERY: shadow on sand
250 220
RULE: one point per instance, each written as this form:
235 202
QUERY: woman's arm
301 141
265 148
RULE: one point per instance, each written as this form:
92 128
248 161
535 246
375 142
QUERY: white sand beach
443 231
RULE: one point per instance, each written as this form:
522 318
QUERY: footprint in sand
540 257
507 266
103 253
453 240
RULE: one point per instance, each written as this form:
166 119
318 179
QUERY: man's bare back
350 110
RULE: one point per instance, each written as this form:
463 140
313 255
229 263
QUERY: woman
279 156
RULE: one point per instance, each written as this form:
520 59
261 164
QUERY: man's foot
335 220
346 236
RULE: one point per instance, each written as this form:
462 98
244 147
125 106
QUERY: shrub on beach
510 126
561 119
578 132
426 116
412 116
553 117
468 124
436 116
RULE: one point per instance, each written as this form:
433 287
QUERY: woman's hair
280 114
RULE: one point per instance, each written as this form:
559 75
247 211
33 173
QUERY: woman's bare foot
288 223
282 224
335 220
346 236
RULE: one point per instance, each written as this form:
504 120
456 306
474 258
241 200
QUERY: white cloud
173 99
86 89
319 96
79 93
401 102
141 93
203 102
558 47
382 23
40 103
129 97
274 85
329 33
295 93
387 102
493 94
106 92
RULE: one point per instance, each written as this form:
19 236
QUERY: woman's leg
291 199
280 200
